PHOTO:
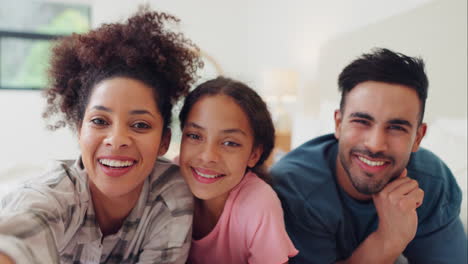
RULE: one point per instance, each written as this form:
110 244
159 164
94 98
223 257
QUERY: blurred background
291 52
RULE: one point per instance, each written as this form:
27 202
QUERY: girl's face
121 137
217 147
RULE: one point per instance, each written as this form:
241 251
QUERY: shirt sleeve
267 239
30 226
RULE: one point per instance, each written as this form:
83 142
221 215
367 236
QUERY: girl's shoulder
255 196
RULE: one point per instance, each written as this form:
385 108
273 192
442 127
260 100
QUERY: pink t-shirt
250 230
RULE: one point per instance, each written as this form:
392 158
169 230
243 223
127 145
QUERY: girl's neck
207 214
111 212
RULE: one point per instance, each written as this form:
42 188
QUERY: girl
227 135
118 202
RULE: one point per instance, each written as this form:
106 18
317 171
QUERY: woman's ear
255 156
165 141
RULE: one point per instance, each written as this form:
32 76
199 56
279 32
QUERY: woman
117 203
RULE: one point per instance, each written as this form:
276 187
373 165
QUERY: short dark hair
384 65
142 48
250 102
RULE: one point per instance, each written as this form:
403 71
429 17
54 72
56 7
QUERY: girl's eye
231 144
141 125
192 136
99 121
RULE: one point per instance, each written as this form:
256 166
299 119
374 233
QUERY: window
26 38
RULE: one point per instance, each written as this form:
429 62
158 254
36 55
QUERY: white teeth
371 163
116 163
209 176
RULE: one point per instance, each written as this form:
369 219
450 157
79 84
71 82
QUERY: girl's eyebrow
224 131
194 125
233 131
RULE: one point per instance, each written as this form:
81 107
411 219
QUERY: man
367 194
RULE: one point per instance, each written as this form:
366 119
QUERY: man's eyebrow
361 115
402 122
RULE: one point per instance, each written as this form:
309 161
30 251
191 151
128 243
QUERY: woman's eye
99 121
231 144
141 125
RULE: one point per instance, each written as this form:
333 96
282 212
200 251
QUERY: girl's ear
165 141
255 156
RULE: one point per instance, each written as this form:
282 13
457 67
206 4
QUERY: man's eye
141 125
231 144
360 121
99 121
398 128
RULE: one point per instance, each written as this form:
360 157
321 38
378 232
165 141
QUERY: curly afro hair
141 49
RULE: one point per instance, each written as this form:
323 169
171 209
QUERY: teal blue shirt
326 225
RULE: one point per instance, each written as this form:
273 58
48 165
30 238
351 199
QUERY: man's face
377 129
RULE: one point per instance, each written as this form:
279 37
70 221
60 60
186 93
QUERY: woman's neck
111 212
206 215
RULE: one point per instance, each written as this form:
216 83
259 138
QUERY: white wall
436 31
248 37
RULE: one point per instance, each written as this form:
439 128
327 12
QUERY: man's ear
420 133
165 141
338 120
255 156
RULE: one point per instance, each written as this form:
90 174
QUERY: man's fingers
403 189
390 187
403 173
412 200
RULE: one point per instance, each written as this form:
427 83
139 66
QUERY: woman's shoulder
167 184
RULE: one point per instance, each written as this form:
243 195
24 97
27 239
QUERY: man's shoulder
442 193
305 182
313 152
308 166
425 166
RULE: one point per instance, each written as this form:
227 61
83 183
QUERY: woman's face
217 147
121 137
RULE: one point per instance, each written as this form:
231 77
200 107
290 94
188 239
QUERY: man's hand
396 207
